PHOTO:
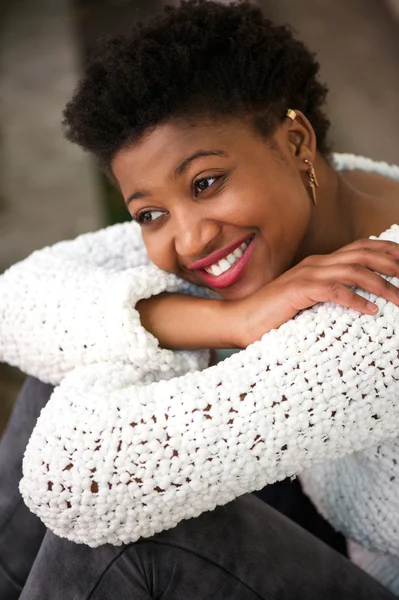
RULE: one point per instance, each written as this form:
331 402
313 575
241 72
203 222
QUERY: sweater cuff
141 347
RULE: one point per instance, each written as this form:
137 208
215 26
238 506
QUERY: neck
332 223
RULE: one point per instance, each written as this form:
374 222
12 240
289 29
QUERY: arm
179 321
110 460
73 304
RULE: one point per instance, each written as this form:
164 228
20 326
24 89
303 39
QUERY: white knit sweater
122 450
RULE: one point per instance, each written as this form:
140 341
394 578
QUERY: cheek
159 252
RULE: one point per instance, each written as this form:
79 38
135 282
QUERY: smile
226 263
229 269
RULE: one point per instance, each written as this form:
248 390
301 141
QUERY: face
217 204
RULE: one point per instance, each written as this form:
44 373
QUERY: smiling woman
210 121
219 200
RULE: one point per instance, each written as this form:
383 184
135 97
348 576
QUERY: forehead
168 144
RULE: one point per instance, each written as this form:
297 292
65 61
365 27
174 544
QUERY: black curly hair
202 58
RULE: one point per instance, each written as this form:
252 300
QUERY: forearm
186 322
57 314
173 449
62 306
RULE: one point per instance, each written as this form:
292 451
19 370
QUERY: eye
146 217
203 184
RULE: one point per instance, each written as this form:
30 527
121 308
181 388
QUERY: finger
385 246
340 294
356 275
367 257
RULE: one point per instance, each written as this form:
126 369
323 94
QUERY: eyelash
196 181
139 217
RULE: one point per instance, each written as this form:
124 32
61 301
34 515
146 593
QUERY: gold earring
312 180
291 114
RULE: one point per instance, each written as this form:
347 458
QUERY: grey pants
242 551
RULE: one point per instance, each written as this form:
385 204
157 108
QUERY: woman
210 121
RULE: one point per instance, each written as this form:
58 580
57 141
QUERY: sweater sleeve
358 495
72 304
111 460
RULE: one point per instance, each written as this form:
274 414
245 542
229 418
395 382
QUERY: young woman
210 121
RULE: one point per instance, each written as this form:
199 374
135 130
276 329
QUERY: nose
193 233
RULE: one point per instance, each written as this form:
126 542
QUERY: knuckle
356 299
304 261
334 288
388 287
308 260
367 251
356 268
363 243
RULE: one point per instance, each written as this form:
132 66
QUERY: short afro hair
201 58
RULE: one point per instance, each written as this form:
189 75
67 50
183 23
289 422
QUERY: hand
324 278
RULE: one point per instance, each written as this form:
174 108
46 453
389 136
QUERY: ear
301 139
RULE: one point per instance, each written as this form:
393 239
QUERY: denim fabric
241 551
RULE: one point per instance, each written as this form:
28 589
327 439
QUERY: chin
239 291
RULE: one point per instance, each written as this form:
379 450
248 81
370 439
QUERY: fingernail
372 308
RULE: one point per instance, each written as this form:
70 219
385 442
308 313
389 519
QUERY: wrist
233 333
223 323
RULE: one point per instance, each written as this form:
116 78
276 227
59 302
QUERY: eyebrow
201 153
180 169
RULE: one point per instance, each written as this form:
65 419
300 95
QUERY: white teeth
215 270
231 258
226 263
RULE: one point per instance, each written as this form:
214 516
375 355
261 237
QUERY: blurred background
49 190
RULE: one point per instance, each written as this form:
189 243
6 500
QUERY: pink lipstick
236 270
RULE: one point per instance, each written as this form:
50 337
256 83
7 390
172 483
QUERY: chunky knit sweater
137 438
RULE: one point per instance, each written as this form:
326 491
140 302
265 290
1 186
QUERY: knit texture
115 457
73 304
111 460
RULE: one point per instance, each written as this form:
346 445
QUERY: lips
213 258
234 273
